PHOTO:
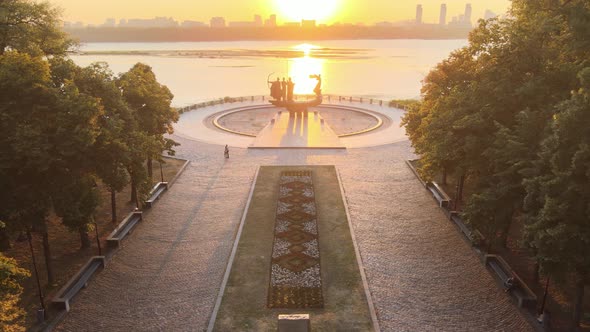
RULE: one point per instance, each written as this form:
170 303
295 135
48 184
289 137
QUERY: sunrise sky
346 11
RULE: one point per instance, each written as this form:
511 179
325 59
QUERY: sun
297 10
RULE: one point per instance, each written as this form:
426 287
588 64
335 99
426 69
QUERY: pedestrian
509 284
226 152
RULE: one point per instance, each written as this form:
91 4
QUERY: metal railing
327 99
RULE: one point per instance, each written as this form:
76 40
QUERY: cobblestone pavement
422 275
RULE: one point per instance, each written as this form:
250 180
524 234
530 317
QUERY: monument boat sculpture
284 98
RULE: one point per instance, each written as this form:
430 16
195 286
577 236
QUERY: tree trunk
537 274
444 176
133 191
150 167
47 254
461 186
113 206
504 234
4 240
84 238
578 304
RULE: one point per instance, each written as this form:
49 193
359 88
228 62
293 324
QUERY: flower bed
295 278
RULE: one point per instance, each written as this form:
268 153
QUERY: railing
326 98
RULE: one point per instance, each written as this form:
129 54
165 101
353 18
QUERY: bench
156 193
459 222
123 229
439 194
62 299
525 297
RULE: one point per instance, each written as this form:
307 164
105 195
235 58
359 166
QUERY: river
199 71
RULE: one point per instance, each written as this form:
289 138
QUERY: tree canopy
510 112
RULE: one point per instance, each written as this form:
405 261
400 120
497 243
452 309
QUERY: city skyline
346 11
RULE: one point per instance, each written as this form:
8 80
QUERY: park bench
439 194
413 169
62 299
459 222
523 294
123 229
156 193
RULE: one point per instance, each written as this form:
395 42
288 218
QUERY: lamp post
542 310
97 238
41 314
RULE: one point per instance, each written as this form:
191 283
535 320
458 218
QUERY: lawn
244 306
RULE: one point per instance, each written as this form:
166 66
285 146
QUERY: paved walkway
422 275
191 124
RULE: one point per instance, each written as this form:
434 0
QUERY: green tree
32 27
111 152
558 199
150 102
11 314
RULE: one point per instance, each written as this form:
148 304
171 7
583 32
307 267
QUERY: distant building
241 24
419 13
122 22
109 23
384 24
257 20
468 13
74 25
292 24
308 24
489 15
443 14
193 24
217 22
157 22
271 22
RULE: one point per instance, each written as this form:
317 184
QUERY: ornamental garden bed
285 265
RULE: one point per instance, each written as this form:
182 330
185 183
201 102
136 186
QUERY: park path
422 275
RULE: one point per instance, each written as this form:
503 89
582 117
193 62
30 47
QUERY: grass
66 254
244 304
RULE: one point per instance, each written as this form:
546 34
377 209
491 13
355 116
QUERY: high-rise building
443 14
468 12
419 14
257 20
308 24
217 22
271 22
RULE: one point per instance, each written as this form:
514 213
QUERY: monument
296 129
278 94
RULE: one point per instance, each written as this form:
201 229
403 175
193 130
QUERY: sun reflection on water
301 68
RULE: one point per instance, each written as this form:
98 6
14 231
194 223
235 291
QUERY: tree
33 28
558 199
11 314
150 102
111 152
501 111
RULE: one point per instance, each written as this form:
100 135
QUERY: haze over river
200 71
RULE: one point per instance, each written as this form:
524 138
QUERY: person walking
226 152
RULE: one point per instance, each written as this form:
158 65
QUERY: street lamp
97 238
41 312
541 316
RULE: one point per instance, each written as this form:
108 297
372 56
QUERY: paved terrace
422 275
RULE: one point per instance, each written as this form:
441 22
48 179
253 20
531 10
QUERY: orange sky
349 11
